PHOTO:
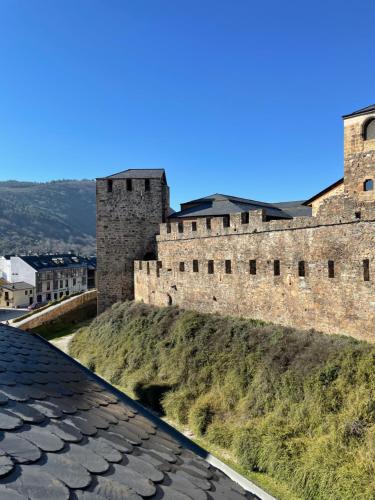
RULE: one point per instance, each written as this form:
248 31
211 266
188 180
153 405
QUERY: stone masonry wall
127 222
334 298
359 157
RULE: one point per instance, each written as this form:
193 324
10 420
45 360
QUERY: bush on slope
297 405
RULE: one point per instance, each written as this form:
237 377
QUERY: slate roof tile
65 436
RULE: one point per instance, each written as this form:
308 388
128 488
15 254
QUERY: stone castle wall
127 222
333 297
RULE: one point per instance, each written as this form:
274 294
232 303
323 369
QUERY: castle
305 265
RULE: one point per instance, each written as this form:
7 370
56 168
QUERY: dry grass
297 405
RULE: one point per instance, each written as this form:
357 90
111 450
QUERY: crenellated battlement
338 210
265 262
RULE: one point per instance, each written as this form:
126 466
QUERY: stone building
303 264
130 207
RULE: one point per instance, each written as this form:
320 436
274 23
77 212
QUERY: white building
53 276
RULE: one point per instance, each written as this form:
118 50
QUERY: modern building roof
139 173
51 261
362 111
67 434
18 285
91 262
323 192
222 204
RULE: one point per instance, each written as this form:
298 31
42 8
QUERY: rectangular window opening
129 185
276 268
193 226
331 269
147 185
366 270
228 267
140 265
210 267
208 223
148 268
109 185
195 266
182 267
168 227
180 227
253 266
226 221
159 265
245 218
301 269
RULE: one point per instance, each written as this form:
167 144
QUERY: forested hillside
47 217
296 405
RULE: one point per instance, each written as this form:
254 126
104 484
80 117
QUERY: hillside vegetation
55 216
297 405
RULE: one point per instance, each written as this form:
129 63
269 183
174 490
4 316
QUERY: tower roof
362 111
139 173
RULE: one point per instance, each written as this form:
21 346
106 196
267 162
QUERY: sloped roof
362 111
139 173
18 285
66 434
222 204
295 208
39 262
324 191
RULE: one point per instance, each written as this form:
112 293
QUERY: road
63 342
9 314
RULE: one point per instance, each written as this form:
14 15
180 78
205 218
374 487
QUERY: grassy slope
297 405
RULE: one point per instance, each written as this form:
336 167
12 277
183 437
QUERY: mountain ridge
54 216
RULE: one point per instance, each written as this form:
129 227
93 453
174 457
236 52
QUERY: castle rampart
309 272
266 262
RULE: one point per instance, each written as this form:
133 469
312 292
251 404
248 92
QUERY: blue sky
239 96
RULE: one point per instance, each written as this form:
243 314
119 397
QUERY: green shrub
297 405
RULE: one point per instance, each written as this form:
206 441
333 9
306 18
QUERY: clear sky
241 97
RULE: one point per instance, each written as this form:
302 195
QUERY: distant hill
54 216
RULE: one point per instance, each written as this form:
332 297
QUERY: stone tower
130 206
359 154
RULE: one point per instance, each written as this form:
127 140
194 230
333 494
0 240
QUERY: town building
306 264
19 294
53 276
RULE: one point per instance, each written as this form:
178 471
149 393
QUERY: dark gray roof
139 173
221 204
66 434
40 262
295 208
19 285
90 261
362 111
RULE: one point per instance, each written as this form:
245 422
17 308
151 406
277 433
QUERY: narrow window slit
228 267
276 268
253 266
366 270
331 269
301 269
